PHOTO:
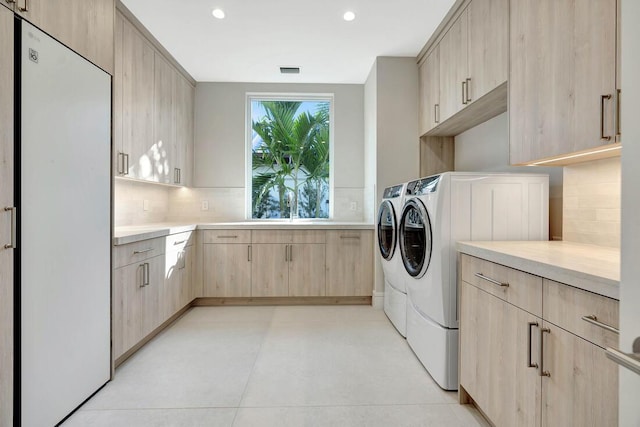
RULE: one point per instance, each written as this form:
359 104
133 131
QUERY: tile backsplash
591 203
140 203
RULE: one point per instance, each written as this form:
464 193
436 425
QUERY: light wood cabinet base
212 302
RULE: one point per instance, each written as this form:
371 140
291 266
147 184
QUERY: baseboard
210 302
378 300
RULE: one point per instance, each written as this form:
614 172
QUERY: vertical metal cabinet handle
290 253
249 253
180 175
144 275
14 227
617 119
543 373
148 275
26 6
490 280
603 98
286 253
468 89
464 95
120 162
530 364
126 168
436 112
593 319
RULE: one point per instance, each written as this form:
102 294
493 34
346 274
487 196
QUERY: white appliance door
65 222
630 273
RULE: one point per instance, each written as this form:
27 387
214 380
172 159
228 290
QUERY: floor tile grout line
253 367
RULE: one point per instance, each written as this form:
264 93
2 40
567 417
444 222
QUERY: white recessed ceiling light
218 13
349 16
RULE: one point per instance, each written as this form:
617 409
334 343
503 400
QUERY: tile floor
275 366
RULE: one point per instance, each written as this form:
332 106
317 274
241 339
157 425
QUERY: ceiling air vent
290 70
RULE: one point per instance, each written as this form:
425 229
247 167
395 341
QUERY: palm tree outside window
290 157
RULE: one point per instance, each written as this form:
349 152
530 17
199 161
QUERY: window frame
280 96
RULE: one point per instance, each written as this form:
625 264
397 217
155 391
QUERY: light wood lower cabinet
307 270
227 270
177 290
349 263
522 369
270 270
136 311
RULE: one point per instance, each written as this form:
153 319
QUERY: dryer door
415 238
387 228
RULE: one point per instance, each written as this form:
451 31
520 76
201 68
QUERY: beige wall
485 148
391 134
592 203
220 139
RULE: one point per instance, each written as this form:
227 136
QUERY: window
289 167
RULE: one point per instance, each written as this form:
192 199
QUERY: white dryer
395 291
439 211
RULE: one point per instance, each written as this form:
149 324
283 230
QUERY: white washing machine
395 291
439 211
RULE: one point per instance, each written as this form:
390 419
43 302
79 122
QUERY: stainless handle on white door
142 251
468 89
179 243
490 280
543 373
603 98
530 364
631 361
14 227
593 319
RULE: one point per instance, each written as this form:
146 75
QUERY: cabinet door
186 287
453 68
171 294
164 119
6 199
137 104
494 357
582 389
128 293
86 26
117 93
152 313
307 270
488 46
183 147
227 270
349 263
430 91
269 270
563 60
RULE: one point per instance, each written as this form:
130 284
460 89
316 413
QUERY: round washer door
387 228
415 238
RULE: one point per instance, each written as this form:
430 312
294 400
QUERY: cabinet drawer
565 306
308 236
138 251
226 236
180 241
272 236
516 287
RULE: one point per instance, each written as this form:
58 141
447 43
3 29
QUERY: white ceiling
259 36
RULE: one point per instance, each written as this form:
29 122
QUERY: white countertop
136 233
592 268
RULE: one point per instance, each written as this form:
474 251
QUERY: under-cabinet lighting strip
573 156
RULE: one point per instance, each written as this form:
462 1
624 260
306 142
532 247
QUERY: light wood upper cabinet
349 263
133 104
163 119
562 84
227 270
429 80
454 69
488 46
6 200
86 26
153 111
